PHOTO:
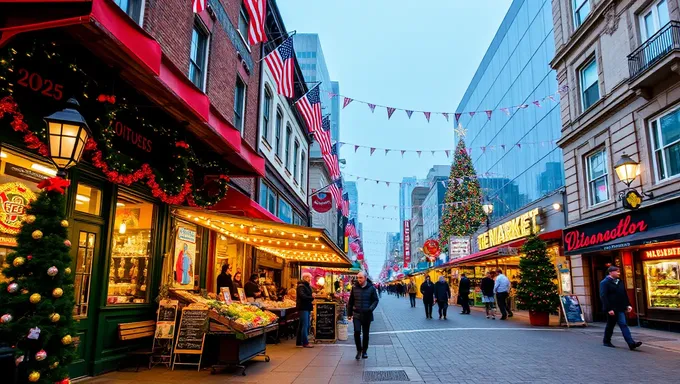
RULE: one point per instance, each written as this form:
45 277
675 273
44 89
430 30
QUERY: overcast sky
417 55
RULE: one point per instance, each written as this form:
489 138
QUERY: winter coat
442 292
304 296
613 295
224 281
487 286
427 290
464 287
362 301
251 289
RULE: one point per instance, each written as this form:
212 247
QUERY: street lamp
487 207
627 169
68 134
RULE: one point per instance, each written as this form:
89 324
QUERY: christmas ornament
30 219
19 261
55 317
67 242
19 360
64 381
12 287
54 365
66 340
34 333
37 234
34 376
40 355
54 184
35 298
67 271
52 271
64 223
57 292
24 291
6 318
29 257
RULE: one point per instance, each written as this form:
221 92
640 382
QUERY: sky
416 55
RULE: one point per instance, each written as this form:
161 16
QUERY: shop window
199 55
228 252
581 10
266 112
663 283
285 211
83 267
132 249
267 197
243 21
666 144
590 91
133 8
88 199
598 182
239 104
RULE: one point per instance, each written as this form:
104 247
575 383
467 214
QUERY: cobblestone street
462 349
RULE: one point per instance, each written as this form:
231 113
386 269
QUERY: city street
462 349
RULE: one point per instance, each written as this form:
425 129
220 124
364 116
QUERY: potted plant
537 291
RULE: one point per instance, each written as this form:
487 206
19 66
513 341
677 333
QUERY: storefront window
228 252
663 283
84 255
131 251
88 199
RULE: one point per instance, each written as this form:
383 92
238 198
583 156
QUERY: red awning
107 31
238 204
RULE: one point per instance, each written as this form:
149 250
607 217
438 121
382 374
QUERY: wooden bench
137 330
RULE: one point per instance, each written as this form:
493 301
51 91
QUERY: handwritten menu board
192 328
165 323
572 310
324 324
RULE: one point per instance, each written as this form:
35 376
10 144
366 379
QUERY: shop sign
14 197
459 246
508 251
24 173
407 243
517 228
576 239
322 202
661 253
632 200
184 257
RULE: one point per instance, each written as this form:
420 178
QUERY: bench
137 330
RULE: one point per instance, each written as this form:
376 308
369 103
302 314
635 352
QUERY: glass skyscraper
516 157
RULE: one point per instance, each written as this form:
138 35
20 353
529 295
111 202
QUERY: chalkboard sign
573 314
324 324
167 315
192 328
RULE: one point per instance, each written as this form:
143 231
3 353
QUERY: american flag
198 5
281 63
345 204
323 136
336 191
257 10
351 229
331 161
310 107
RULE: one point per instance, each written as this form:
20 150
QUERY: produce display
667 282
245 315
663 287
285 304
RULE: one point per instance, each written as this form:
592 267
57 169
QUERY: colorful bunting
346 102
372 106
427 116
488 114
390 111
409 113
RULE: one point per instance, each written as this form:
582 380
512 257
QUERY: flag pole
310 89
322 188
288 36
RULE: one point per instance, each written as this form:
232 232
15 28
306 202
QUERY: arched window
266 114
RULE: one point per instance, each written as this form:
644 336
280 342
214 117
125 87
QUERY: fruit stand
288 317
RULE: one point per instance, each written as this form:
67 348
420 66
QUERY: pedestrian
616 304
412 292
224 279
487 295
303 302
252 289
442 292
464 294
502 289
400 290
362 302
427 290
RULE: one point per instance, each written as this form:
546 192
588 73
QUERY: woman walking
487 295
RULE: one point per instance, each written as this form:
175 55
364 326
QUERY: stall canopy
294 243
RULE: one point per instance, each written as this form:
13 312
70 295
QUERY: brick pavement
462 349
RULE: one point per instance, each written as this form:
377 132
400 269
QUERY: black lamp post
487 207
68 133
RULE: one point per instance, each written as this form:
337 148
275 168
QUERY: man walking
502 290
362 302
464 294
427 290
615 302
304 298
442 292
412 292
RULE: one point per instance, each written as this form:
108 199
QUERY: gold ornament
67 270
37 234
55 317
64 223
34 376
66 340
54 365
35 298
19 261
30 219
57 292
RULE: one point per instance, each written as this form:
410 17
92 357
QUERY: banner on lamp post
407 243
459 246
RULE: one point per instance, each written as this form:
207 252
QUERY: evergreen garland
537 290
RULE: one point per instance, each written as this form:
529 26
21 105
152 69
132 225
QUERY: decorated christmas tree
537 290
462 211
36 304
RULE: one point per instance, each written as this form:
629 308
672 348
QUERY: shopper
412 292
464 294
400 290
303 302
362 302
427 290
224 279
252 289
616 304
502 290
487 295
442 292
236 284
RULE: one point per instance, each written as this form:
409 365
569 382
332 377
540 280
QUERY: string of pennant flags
447 152
509 110
424 183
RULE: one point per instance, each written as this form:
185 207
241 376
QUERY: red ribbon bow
106 99
54 184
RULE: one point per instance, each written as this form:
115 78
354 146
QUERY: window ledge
278 159
266 144
288 172
245 41
663 183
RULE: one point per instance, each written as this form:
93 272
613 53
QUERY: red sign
395 268
322 202
431 247
576 239
407 243
661 253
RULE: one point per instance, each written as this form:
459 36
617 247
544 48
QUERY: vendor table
236 348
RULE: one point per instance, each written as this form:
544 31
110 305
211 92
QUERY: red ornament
54 184
29 257
182 144
111 99
431 248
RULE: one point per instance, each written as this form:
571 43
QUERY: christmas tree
462 211
537 290
36 304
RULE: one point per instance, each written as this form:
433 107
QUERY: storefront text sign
407 243
14 197
517 228
322 202
661 253
459 246
575 239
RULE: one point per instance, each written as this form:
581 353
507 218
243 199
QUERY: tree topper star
460 131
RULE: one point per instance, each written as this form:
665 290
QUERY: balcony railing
658 46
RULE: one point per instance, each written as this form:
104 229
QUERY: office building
417 238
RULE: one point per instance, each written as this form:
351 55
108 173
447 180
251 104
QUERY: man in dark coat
304 296
362 302
442 292
464 294
616 304
427 290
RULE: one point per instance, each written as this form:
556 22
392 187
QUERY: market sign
407 243
322 202
517 228
14 198
459 246
661 253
